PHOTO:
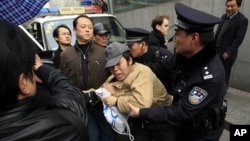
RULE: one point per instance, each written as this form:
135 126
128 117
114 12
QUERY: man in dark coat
64 117
62 35
160 26
199 86
230 34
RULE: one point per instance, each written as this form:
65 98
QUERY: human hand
110 100
225 56
91 98
37 79
134 111
110 88
38 62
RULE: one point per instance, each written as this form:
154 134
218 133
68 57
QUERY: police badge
197 95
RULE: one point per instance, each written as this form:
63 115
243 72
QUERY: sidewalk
238 111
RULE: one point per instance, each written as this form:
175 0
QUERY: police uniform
153 55
143 129
199 85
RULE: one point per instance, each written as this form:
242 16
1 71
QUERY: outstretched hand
38 62
135 111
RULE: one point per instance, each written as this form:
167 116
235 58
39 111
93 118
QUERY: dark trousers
146 131
98 127
227 67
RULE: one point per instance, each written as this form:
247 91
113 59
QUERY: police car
40 29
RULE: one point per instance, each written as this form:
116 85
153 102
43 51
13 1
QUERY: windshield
112 24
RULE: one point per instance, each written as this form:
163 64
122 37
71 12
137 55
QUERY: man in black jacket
199 87
63 118
62 35
160 26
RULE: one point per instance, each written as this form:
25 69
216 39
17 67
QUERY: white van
40 29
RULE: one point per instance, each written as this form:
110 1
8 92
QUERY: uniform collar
200 58
146 56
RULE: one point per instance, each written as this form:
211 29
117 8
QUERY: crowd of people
168 96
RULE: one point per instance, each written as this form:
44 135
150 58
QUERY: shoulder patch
197 95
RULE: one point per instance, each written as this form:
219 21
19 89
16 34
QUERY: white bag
115 118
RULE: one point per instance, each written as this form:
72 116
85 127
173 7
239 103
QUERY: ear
158 27
23 85
195 36
143 45
56 38
74 30
130 61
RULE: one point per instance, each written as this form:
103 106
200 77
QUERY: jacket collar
197 60
159 36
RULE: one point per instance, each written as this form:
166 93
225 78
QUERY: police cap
193 20
135 35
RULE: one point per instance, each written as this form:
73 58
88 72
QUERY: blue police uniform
198 85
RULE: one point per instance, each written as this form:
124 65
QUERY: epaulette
207 74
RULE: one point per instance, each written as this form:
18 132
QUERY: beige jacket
141 88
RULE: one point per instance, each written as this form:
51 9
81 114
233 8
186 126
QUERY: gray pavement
238 110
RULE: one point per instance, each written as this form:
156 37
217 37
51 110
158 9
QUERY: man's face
183 42
64 36
84 30
231 7
101 39
122 69
136 49
163 28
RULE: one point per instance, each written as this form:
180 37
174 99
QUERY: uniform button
207 72
179 90
205 68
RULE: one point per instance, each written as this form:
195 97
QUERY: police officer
137 41
199 86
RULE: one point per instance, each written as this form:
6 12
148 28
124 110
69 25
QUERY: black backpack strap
72 118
